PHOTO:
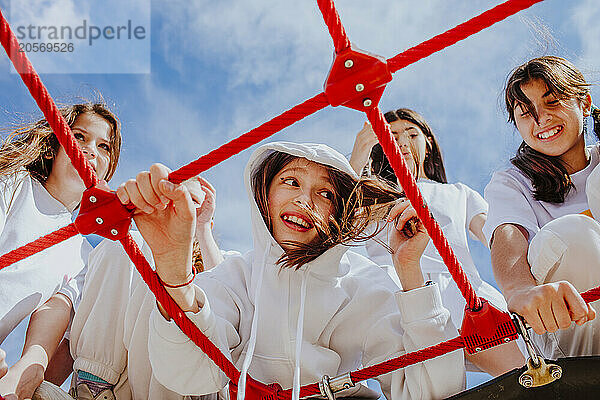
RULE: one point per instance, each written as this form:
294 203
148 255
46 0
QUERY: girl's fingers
122 194
158 172
206 184
180 196
547 317
136 198
148 192
398 208
404 217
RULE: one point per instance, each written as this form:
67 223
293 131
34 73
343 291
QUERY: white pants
568 248
109 336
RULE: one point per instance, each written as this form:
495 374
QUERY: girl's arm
406 252
547 307
365 140
46 328
166 218
476 227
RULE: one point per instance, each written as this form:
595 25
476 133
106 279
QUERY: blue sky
218 69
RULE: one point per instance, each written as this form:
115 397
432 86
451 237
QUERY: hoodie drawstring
299 336
241 393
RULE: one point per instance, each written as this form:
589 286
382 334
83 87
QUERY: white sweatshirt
353 316
27 212
453 205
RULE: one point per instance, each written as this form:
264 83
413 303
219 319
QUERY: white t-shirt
510 196
27 212
453 206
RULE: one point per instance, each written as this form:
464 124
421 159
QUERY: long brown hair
433 164
33 146
356 204
548 174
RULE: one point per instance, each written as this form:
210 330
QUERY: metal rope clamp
539 373
329 386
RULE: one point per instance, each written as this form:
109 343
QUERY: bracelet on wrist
180 285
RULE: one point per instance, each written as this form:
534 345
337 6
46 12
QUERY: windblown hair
548 174
356 204
197 262
34 146
433 164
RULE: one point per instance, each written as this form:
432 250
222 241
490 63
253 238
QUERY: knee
574 230
565 240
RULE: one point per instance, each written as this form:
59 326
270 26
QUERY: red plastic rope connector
334 24
407 181
41 96
256 390
486 328
102 213
357 79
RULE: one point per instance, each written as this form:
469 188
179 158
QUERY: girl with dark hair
458 209
300 305
544 251
39 191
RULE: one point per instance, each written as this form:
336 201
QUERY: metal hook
538 372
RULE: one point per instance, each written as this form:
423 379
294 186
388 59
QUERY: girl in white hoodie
300 305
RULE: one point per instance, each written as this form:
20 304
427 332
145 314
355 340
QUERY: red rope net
341 42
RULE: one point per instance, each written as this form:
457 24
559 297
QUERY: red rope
341 42
591 295
393 154
387 366
460 32
38 245
408 359
173 309
46 104
334 24
250 138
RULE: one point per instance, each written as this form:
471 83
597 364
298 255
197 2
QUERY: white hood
319 153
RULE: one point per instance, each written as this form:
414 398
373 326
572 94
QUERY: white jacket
344 308
27 212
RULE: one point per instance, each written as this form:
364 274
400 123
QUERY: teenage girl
39 190
545 249
300 305
459 210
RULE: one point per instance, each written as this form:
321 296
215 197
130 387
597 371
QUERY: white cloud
584 21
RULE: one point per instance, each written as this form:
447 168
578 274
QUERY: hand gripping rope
356 80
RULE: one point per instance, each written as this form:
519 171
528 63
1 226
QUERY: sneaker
83 392
49 391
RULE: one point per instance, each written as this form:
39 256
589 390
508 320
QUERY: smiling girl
300 305
40 190
543 250
459 210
